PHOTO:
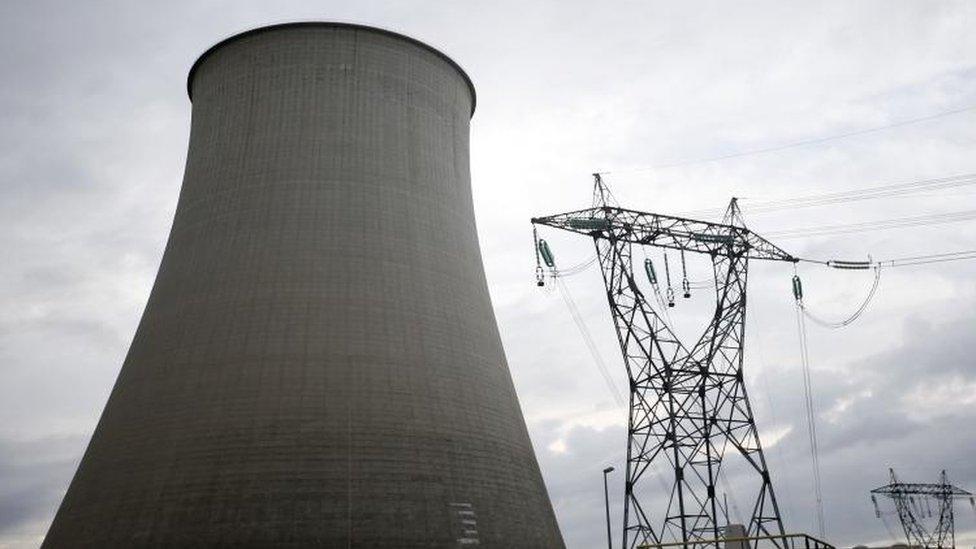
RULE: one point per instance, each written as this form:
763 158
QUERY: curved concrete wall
318 363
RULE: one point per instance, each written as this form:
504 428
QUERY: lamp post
606 500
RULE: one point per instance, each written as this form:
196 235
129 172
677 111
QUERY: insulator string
667 277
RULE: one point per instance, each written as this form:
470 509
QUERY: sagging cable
798 296
575 269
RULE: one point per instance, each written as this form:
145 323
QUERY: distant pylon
913 505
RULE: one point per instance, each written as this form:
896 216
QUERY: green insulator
547 256
649 268
797 288
589 224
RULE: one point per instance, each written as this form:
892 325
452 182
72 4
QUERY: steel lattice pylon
912 504
687 405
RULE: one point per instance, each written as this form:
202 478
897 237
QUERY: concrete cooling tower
318 364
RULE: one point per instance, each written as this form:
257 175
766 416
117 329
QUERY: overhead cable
864 194
575 269
926 259
810 414
588 340
852 195
795 144
897 262
850 318
877 225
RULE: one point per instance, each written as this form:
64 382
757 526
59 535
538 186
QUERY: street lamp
606 500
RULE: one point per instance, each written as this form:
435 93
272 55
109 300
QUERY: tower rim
329 24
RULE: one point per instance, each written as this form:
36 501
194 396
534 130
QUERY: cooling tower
318 364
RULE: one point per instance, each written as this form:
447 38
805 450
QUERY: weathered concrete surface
318 363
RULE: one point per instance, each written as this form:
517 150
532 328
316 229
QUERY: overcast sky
94 122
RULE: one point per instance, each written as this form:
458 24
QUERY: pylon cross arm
678 233
920 489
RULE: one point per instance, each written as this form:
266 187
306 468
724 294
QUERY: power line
870 193
926 259
907 261
767 392
854 316
801 143
853 195
881 224
876 265
588 340
811 418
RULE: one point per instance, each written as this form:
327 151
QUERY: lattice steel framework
687 405
912 504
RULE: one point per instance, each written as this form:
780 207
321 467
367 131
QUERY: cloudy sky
94 122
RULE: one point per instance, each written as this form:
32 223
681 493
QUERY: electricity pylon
688 405
913 504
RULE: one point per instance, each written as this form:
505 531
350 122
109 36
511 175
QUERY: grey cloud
93 128
33 474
